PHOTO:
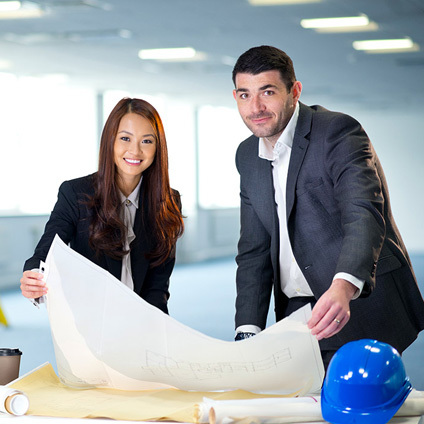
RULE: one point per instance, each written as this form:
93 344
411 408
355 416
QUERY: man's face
264 103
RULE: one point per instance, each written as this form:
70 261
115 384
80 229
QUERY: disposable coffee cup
10 360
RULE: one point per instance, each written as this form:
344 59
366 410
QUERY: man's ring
337 320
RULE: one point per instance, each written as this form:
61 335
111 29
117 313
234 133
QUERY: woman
125 217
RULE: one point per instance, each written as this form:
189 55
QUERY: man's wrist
349 288
357 282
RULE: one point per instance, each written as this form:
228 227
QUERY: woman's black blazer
70 219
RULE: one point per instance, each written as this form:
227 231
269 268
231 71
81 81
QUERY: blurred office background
65 63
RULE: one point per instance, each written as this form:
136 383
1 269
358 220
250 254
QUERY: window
220 131
48 135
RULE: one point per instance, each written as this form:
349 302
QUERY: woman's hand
32 285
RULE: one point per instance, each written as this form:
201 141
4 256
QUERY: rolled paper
13 402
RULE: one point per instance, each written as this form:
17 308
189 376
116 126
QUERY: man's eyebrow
264 87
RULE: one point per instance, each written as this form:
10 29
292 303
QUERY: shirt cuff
248 329
353 280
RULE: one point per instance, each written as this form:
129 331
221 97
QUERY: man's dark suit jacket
70 219
339 220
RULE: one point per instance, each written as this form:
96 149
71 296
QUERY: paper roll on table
285 410
13 401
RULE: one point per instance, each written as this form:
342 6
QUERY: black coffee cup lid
5 351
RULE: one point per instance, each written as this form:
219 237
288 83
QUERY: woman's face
134 149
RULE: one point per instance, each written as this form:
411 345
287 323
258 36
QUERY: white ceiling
96 43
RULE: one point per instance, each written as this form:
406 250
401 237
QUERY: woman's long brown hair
164 221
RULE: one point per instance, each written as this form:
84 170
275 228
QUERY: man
316 223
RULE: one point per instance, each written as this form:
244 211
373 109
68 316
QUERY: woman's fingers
32 285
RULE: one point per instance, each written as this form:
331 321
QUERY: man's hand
331 312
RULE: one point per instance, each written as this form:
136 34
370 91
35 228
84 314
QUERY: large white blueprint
105 335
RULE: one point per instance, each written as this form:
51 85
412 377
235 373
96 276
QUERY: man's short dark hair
266 58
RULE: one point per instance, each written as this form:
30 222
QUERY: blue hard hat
365 383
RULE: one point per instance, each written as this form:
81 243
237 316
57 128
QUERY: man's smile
260 119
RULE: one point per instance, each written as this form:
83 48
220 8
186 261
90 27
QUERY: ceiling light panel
386 46
340 24
7 6
19 10
347 21
372 26
176 54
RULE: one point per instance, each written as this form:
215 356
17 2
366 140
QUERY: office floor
202 297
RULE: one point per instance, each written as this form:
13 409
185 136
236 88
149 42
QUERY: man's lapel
265 186
300 146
